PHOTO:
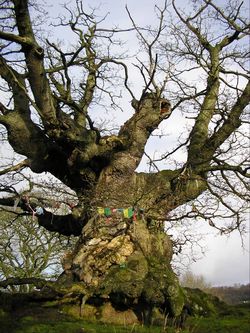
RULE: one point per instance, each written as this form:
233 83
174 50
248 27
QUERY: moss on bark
128 264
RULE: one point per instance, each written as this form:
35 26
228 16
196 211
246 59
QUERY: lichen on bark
126 261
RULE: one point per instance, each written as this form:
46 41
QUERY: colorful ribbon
127 212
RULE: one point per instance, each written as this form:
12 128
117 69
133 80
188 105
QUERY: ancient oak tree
192 62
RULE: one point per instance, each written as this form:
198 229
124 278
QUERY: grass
29 325
235 321
219 325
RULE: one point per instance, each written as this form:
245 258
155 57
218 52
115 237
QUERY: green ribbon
107 211
127 212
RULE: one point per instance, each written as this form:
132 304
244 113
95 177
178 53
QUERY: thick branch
149 112
199 132
63 224
67 225
231 124
25 41
39 283
27 139
92 67
17 83
34 59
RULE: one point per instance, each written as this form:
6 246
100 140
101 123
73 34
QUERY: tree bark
125 261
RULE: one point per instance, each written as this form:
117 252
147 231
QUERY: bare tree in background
191 280
54 92
28 251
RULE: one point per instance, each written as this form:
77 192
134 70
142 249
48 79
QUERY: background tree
28 251
237 294
190 280
53 92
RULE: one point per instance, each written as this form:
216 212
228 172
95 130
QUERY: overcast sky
225 262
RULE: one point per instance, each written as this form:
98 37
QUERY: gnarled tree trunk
123 254
120 258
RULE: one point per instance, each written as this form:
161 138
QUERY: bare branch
18 167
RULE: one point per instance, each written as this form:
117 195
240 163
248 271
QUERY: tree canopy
50 93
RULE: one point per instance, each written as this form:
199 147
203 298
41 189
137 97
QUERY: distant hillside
232 295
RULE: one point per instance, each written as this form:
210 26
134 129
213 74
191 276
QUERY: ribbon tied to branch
126 212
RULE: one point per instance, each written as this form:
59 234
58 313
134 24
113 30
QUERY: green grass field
235 321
